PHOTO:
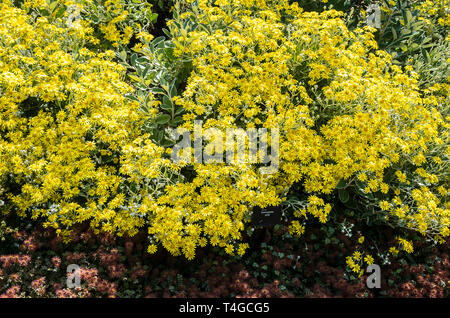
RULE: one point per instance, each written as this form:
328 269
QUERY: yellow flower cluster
64 122
405 245
435 9
116 20
72 145
356 262
342 108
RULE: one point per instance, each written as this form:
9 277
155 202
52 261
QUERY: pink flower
56 261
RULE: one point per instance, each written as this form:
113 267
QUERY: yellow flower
368 259
384 205
151 249
393 250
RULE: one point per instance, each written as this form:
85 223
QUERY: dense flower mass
75 147
344 110
64 121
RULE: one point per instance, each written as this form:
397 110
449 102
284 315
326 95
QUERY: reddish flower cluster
111 261
276 270
12 292
56 261
422 284
38 285
30 244
138 272
16 259
14 277
337 286
106 259
74 258
116 270
68 293
222 281
91 277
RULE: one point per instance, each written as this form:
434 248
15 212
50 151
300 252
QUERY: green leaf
53 5
44 13
157 90
360 185
149 77
135 78
131 97
352 204
426 56
133 59
176 121
172 89
179 110
158 40
123 55
394 34
167 143
142 60
344 196
167 103
60 12
153 17
405 32
341 184
369 195
159 135
163 119
167 32
409 17
414 46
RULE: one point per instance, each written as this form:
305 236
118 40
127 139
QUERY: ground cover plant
92 93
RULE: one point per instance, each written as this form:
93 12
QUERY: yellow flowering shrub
434 10
73 147
111 22
64 122
345 112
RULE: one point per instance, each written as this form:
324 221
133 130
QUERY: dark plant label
268 216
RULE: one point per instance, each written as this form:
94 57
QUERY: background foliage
86 108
